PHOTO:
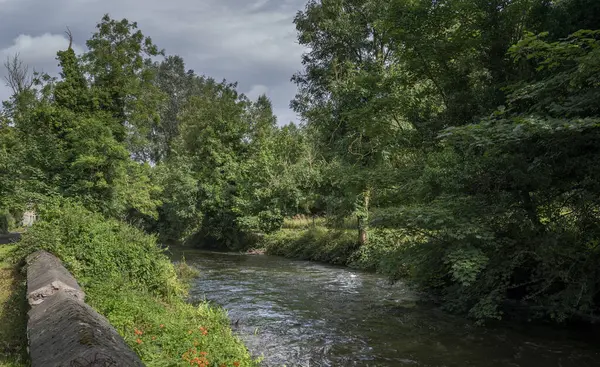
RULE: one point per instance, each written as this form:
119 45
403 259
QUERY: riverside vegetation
451 143
130 280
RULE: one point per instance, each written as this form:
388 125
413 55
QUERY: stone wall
29 217
62 329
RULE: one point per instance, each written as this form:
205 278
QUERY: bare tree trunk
18 78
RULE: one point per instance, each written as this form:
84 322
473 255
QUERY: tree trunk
363 218
531 210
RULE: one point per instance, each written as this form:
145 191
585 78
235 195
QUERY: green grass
305 222
13 312
165 334
315 243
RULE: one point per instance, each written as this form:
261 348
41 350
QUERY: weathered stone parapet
62 329
46 275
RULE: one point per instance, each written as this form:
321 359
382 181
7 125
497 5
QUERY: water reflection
298 313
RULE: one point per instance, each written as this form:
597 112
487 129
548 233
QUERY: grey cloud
251 42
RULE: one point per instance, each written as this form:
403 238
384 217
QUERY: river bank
340 247
382 254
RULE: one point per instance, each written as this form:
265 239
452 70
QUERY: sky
252 42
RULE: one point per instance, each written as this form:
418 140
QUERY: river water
299 313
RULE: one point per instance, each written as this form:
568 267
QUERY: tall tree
118 63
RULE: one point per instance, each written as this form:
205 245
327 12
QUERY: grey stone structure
64 331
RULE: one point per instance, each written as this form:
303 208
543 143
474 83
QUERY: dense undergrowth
340 246
131 281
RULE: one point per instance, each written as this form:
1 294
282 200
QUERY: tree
118 63
178 85
18 79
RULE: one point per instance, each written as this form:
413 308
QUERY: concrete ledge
62 329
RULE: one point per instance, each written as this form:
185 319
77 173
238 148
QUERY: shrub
270 220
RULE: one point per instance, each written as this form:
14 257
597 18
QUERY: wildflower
236 363
162 326
204 353
153 338
138 332
189 331
139 341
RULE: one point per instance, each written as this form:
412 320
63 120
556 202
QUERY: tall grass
301 221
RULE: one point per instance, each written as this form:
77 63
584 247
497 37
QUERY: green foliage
179 214
270 221
130 280
469 134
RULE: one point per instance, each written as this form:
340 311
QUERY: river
299 313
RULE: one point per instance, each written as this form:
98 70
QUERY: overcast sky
249 41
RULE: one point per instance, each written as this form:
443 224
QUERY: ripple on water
310 314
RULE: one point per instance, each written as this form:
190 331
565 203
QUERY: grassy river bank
308 239
128 279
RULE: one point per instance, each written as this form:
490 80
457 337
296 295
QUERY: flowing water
299 313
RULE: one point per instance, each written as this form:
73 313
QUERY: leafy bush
270 220
130 280
386 252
